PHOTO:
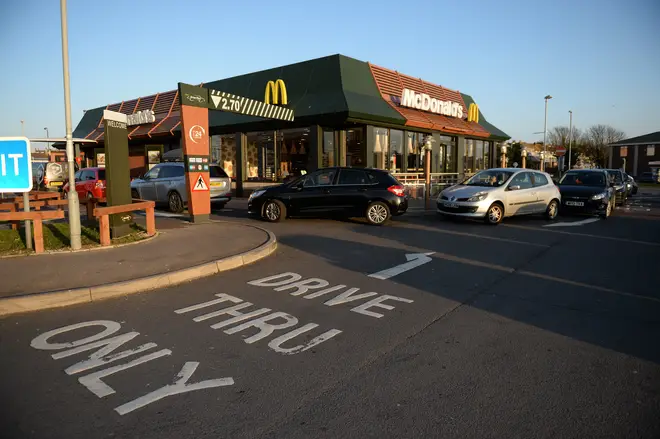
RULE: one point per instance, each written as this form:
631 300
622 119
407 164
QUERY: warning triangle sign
200 184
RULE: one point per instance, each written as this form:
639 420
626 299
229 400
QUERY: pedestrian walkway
178 246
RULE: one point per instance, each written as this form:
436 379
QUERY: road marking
260 322
293 280
103 356
474 235
586 235
414 260
573 223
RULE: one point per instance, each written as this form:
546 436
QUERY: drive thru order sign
15 164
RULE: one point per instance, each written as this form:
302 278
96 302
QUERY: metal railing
415 186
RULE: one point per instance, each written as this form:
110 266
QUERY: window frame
512 181
312 176
347 171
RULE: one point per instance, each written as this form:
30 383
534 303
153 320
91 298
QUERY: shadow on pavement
624 323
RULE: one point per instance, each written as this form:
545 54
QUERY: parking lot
422 328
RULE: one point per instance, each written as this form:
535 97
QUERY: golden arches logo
276 89
473 113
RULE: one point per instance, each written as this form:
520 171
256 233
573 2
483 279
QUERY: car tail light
396 190
100 184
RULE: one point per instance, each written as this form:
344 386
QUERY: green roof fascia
639 140
363 99
88 123
495 133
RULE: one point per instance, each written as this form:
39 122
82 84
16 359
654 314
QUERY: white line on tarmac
539 276
586 235
573 223
475 235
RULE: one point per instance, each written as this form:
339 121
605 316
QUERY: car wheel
377 213
494 214
135 194
175 202
219 206
274 211
552 210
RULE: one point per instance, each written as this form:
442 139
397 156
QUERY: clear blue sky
599 58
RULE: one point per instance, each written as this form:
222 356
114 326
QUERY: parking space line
475 235
586 235
539 276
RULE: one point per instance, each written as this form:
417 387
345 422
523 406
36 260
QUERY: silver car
166 183
494 194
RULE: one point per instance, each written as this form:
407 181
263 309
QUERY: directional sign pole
28 223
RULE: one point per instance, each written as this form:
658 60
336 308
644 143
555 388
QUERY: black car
649 177
587 191
372 193
631 185
616 177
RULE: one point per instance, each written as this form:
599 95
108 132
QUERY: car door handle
362 189
326 191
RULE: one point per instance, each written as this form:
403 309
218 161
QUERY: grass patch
56 237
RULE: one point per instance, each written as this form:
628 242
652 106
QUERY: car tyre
377 213
552 211
135 194
175 202
494 214
274 211
89 195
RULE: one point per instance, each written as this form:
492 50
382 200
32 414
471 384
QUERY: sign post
16 173
117 170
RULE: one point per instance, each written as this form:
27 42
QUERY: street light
570 138
47 143
545 128
74 206
504 155
23 128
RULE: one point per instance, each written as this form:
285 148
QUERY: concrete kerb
60 298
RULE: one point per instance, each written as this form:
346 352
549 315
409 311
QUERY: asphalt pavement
422 328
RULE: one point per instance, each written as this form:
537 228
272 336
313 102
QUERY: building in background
347 112
636 155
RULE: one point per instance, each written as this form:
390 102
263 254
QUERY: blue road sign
15 164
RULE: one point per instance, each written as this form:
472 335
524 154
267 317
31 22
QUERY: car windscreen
217 172
491 177
583 179
615 175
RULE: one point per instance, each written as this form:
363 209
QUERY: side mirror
514 187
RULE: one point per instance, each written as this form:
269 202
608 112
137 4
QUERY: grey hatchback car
166 183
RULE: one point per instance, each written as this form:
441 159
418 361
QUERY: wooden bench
37 218
103 214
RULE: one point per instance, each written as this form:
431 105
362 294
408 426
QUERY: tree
598 137
514 154
559 136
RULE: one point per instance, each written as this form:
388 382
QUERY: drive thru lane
477 342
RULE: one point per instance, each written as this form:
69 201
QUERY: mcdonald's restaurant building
346 112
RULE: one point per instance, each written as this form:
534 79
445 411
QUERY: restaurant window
450 148
487 146
292 152
650 150
381 148
396 150
623 151
328 158
414 149
479 155
356 148
468 160
260 157
223 152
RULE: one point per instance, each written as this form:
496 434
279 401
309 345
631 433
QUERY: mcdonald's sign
276 89
473 113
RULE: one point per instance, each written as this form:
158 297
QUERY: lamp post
523 155
428 146
74 206
570 138
545 128
504 155
23 128
26 206
47 143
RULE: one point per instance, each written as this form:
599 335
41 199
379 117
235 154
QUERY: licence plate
56 183
217 184
453 205
575 203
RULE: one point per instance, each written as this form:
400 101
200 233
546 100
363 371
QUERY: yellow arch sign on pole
276 89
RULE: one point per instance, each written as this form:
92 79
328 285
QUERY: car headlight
478 197
256 194
599 196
